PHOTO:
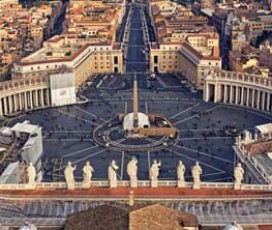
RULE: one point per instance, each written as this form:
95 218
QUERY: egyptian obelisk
135 104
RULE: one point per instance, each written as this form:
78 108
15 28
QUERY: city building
185 44
84 60
265 56
20 144
195 63
94 20
22 30
253 150
247 60
86 47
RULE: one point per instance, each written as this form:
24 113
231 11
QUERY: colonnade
250 91
23 95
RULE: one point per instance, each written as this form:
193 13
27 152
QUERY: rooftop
125 217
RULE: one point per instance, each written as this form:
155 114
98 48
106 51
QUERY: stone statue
29 226
132 171
31 174
196 172
180 174
87 174
69 175
238 175
154 173
112 174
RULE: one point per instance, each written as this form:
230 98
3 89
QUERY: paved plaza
202 127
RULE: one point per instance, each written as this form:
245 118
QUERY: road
136 61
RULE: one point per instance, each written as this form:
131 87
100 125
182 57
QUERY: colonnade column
225 93
242 96
268 101
47 97
258 99
5 105
215 99
20 101
10 107
31 99
253 98
25 99
263 100
42 97
36 98
247 96
231 94
206 92
15 103
1 108
236 95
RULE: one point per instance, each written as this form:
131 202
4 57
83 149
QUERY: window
115 60
156 59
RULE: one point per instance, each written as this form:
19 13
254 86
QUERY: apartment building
186 43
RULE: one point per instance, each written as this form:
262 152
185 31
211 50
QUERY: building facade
83 60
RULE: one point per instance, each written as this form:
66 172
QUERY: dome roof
143 121
233 226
